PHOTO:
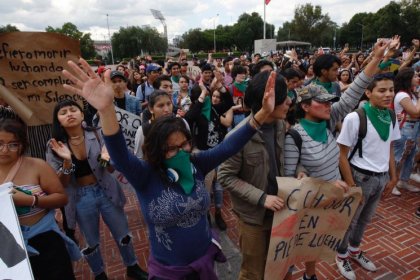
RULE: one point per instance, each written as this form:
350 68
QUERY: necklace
73 140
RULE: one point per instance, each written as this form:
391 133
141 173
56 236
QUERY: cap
315 92
152 67
118 74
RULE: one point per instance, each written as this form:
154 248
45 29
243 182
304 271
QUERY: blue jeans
92 202
409 131
372 188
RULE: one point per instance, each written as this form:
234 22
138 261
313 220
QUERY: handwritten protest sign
14 262
31 66
193 71
311 225
129 125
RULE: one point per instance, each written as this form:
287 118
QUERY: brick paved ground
392 241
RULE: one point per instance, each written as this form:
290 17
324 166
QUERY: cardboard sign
312 224
129 125
193 72
14 261
31 66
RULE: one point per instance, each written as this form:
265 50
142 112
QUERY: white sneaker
415 177
396 192
345 269
363 261
408 187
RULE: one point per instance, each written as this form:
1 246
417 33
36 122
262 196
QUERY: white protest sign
14 261
312 224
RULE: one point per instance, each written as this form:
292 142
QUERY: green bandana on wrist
317 131
206 109
380 119
182 165
328 85
241 86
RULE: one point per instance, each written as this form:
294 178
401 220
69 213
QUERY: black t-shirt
120 102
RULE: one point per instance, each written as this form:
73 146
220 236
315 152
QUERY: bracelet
33 200
258 124
67 171
36 200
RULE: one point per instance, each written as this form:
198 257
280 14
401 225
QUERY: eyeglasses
13 147
173 150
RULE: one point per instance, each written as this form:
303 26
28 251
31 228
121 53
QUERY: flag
267 1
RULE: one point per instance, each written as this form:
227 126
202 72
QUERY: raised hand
395 42
86 83
379 48
60 149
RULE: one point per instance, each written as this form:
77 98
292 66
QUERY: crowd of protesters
235 126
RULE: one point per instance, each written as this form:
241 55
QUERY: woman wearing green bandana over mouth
169 182
317 114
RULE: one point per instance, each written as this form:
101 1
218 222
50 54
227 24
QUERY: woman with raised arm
77 154
169 182
37 191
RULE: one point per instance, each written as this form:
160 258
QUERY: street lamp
109 36
361 41
214 32
158 15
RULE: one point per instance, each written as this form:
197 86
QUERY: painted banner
129 124
31 66
14 261
312 224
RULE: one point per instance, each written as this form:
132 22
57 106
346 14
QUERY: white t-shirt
376 152
400 96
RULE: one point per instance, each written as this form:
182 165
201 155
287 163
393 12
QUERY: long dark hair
16 127
402 81
58 131
155 147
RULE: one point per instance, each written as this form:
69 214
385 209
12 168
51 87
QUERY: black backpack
362 133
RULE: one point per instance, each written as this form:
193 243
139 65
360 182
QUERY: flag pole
264 20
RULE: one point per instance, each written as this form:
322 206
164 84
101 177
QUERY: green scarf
175 79
317 131
328 85
182 165
206 109
241 86
380 119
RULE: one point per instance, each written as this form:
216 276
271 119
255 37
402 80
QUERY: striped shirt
321 160
35 190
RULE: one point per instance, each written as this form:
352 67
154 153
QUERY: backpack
362 133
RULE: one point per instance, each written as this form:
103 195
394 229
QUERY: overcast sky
181 15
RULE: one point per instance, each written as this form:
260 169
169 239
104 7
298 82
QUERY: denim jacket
48 223
132 104
112 189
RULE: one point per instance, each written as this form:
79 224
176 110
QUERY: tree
8 28
309 25
87 48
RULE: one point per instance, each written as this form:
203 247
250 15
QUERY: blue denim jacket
112 189
132 104
48 223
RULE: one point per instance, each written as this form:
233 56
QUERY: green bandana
182 165
380 119
328 85
317 131
241 86
206 109
175 79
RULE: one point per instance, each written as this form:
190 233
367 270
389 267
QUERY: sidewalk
392 241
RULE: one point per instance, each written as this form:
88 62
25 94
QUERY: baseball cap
315 92
152 67
118 74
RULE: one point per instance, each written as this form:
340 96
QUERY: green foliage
133 40
8 28
87 48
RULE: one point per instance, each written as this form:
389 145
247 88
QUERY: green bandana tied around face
182 165
328 85
206 109
380 119
317 131
241 86
175 79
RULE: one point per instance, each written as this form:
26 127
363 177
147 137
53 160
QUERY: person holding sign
78 156
250 176
311 142
169 182
371 168
36 193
